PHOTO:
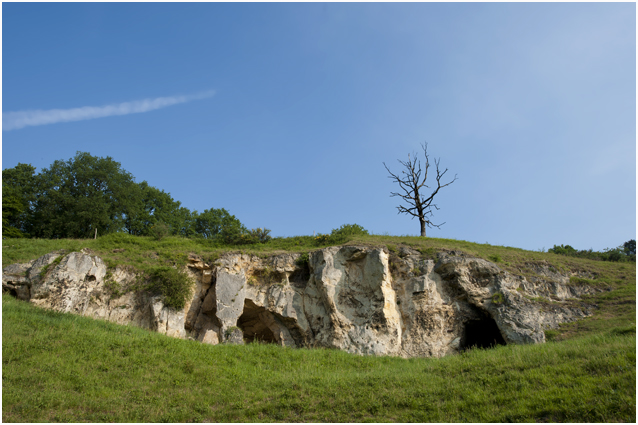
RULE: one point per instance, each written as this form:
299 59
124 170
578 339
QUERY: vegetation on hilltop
87 196
624 252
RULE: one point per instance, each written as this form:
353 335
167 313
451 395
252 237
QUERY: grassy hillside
60 367
65 368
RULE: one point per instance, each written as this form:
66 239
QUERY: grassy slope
58 367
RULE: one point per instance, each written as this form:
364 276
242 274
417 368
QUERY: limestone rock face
363 300
349 301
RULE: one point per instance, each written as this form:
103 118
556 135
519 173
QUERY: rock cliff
363 300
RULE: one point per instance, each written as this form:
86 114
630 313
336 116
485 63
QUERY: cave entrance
10 291
253 322
481 333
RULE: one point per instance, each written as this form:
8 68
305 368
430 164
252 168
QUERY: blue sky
284 113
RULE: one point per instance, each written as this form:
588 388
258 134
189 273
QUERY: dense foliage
172 284
18 195
625 252
88 195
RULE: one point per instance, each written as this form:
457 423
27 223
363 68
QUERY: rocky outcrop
363 300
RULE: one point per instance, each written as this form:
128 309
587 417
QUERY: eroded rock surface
359 299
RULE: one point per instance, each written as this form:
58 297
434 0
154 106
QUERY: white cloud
21 119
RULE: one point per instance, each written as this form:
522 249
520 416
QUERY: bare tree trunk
411 180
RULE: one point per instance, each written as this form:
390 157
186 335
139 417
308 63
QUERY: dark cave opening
481 333
300 276
252 323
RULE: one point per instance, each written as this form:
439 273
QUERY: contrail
21 119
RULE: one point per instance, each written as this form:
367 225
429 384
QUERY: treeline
625 252
88 194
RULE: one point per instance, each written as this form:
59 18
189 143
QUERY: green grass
145 252
140 251
65 368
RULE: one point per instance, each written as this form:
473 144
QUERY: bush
346 232
160 230
563 250
174 286
618 254
322 239
495 258
303 260
260 235
234 234
246 237
615 255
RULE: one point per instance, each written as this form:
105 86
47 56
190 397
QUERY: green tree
630 247
71 199
11 209
156 206
19 188
81 195
219 223
184 222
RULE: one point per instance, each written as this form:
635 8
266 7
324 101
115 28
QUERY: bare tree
412 183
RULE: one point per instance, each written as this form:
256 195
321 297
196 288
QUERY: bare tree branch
410 183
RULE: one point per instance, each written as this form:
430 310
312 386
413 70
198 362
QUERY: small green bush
268 275
112 287
346 232
322 239
260 235
495 258
341 235
230 331
160 230
240 236
174 285
562 250
303 260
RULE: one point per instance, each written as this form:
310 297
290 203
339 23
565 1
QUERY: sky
283 114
